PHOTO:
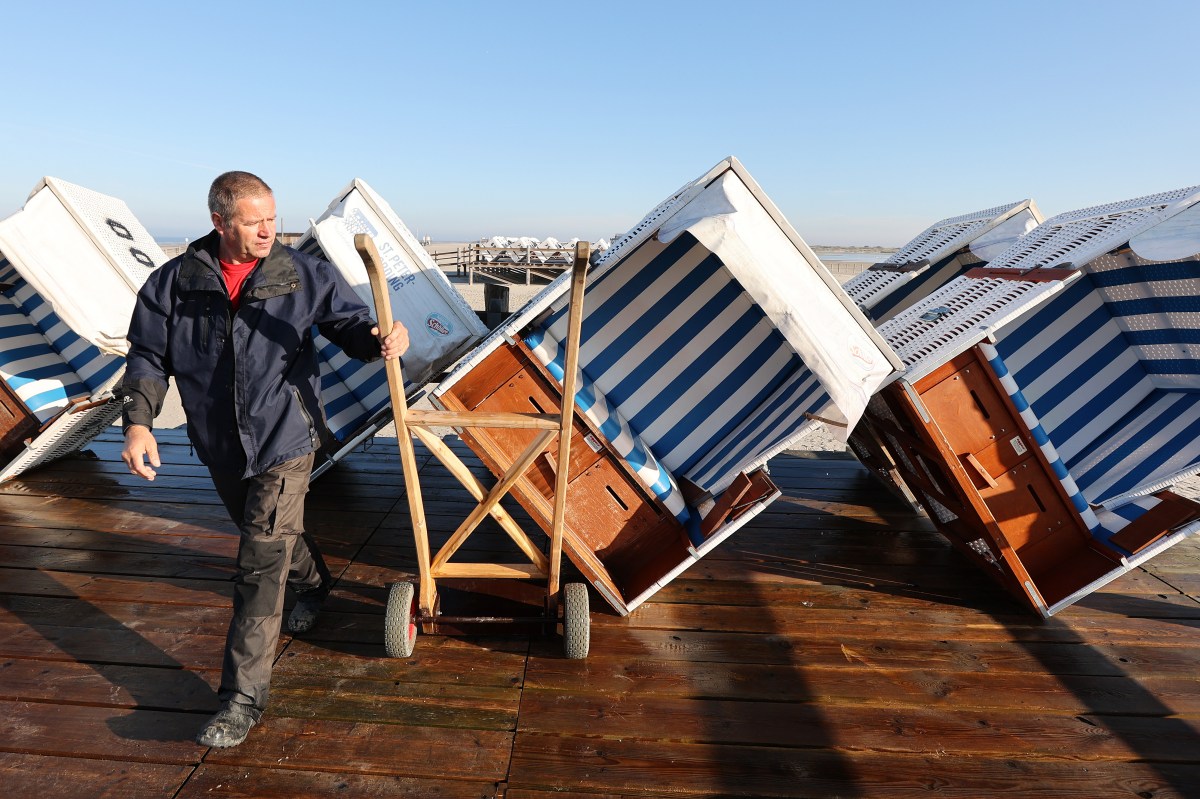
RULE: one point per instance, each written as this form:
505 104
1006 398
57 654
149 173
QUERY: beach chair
1051 398
943 251
440 323
712 339
71 262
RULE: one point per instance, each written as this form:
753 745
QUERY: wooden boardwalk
834 647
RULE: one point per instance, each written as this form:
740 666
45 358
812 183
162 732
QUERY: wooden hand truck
406 608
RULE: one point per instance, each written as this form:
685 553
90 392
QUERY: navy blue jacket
249 381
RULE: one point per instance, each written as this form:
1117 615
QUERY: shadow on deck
834 647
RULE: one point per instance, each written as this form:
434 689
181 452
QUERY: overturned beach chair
440 323
713 339
74 262
1052 397
71 262
942 252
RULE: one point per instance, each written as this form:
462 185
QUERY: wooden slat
694 648
628 766
29 775
136 736
495 571
240 782
110 685
364 747
964 731
858 683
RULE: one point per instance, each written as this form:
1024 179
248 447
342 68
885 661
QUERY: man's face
250 233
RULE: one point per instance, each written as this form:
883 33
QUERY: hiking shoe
306 611
228 728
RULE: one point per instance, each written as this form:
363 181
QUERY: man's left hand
395 343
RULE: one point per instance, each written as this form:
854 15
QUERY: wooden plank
180 564
954 656
169 650
497 419
859 683
212 544
818 652
367 748
318 696
571 763
63 611
110 685
984 596
493 571
489 662
240 782
137 736
175 591
968 625
966 731
49 777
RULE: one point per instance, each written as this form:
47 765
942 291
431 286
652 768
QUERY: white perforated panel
944 237
649 224
69 433
114 228
954 317
865 287
1079 236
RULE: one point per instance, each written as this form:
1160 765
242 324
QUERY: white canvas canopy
71 262
86 254
440 324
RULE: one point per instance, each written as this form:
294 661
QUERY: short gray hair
230 187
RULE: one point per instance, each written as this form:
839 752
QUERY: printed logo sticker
438 324
1019 445
864 359
355 221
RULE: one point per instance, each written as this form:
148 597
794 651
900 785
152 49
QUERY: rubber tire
399 630
577 623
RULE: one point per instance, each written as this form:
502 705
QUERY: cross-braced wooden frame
410 423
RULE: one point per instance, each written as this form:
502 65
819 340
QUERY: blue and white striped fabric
693 366
1088 369
1039 435
627 444
45 363
1117 519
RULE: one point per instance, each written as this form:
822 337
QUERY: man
231 320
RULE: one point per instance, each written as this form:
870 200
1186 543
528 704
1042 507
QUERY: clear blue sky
864 121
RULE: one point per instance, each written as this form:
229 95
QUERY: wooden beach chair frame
407 608
1049 401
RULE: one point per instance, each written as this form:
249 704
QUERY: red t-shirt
235 275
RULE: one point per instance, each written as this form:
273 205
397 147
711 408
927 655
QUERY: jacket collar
200 270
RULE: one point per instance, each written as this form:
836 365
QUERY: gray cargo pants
274 552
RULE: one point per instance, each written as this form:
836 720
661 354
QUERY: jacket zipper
312 430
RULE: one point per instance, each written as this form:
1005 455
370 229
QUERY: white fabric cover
1172 240
732 223
86 254
440 323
